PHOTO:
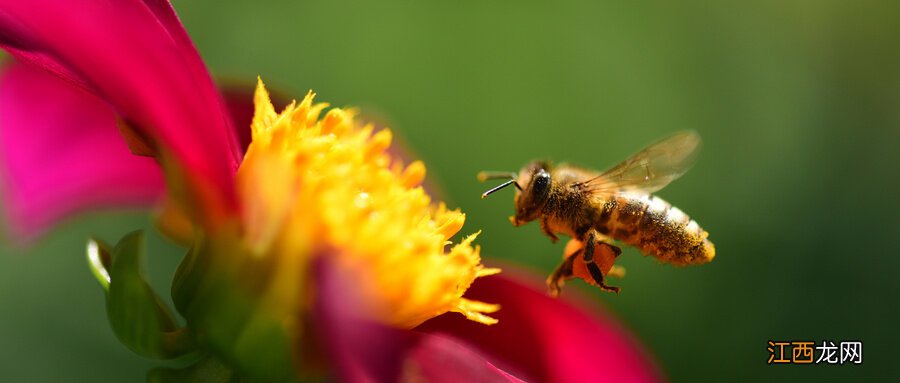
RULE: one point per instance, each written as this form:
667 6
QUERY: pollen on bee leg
604 258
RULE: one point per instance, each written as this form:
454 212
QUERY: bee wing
650 169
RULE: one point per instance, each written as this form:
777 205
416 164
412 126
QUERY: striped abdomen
656 228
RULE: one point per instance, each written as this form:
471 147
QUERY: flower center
311 185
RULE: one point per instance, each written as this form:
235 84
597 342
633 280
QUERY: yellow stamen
309 184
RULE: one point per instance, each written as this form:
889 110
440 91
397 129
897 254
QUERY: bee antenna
484 176
501 186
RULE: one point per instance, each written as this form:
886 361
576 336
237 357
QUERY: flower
129 60
53 168
314 250
338 188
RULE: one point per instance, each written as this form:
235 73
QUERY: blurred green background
798 103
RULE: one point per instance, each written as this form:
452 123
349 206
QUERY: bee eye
541 182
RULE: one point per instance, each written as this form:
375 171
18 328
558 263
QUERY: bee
596 208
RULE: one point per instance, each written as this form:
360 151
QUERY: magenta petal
239 101
363 351
60 153
438 358
547 339
137 56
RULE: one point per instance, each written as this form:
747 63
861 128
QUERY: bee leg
545 227
564 271
589 260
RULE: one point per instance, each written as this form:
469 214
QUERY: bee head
529 199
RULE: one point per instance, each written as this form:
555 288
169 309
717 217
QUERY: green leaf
138 317
99 258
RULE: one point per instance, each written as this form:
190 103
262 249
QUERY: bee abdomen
656 228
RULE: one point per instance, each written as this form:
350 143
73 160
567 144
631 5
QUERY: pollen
318 183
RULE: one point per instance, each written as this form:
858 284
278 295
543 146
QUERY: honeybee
596 208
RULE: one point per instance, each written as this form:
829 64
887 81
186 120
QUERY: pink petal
547 339
439 358
363 351
137 56
239 100
61 153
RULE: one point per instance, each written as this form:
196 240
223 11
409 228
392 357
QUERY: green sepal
136 314
206 370
222 291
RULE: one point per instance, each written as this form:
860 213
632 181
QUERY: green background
798 103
